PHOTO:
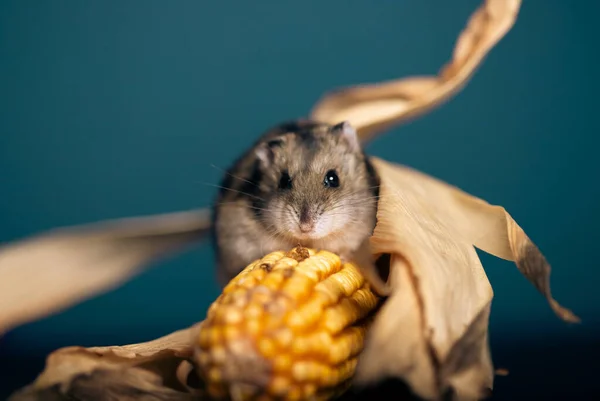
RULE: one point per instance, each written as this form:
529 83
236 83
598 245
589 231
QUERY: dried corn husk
376 107
431 332
49 272
153 370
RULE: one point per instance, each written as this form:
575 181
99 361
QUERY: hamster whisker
362 190
270 207
357 201
344 205
364 203
356 231
374 186
271 231
349 220
234 176
367 197
341 213
236 204
360 201
234 190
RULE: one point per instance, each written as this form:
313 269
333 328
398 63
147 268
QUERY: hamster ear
348 132
264 153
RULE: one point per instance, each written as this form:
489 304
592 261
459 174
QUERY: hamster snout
308 221
319 218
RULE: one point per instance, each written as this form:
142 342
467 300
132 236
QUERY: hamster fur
302 183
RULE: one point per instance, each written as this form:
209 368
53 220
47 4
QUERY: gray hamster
302 183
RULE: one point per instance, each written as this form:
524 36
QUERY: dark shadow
545 370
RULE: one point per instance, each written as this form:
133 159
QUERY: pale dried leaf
432 331
373 108
488 227
126 384
439 282
149 370
50 272
396 346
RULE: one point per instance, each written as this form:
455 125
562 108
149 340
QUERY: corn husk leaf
154 370
431 332
45 274
373 108
433 329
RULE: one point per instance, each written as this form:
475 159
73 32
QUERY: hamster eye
331 179
285 182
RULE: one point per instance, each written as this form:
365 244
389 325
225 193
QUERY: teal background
118 108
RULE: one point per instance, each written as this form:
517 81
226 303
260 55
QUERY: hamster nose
306 227
306 221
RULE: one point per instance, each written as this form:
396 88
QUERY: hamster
302 183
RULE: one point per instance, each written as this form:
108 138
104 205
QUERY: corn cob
290 326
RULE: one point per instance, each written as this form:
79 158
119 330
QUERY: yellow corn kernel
290 326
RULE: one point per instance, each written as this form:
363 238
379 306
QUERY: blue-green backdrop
118 108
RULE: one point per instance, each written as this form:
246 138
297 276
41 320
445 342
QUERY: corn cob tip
299 253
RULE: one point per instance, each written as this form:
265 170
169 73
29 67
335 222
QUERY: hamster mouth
305 227
311 235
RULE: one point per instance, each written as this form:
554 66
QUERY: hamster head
316 183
